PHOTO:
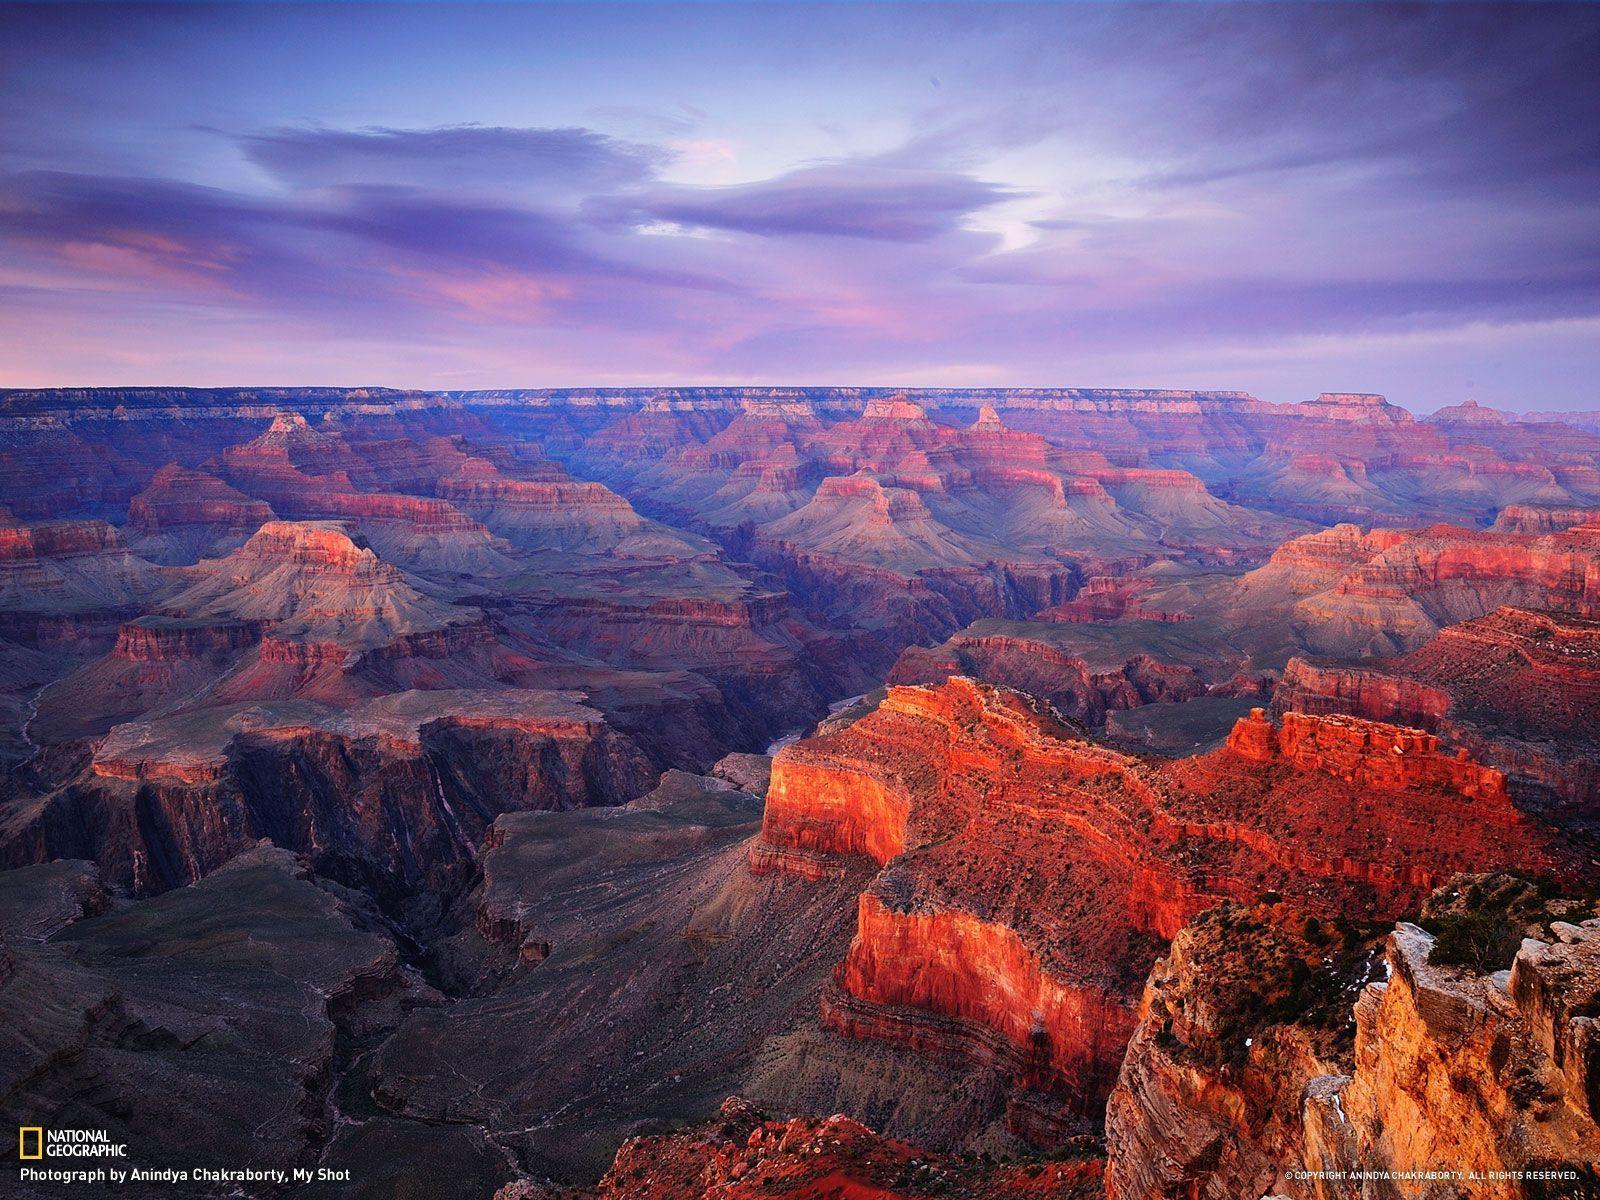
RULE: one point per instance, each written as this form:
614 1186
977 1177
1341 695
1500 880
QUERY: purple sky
1280 198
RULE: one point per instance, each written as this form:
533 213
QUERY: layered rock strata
1030 877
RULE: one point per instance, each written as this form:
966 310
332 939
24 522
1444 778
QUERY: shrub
1485 942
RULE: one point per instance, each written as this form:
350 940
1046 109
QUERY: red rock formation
56 539
1362 692
743 1155
557 514
184 515
1517 688
1039 668
1029 957
1490 1075
1367 752
1231 1030
153 640
155 660
988 996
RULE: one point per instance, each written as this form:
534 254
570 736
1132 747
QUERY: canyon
811 792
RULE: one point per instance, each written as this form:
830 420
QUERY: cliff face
1231 1031
1247 1077
1029 877
1517 688
1487 1074
979 991
393 794
47 469
745 1155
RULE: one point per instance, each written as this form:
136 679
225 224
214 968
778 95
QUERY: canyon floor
815 793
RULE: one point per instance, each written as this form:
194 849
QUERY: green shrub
1486 942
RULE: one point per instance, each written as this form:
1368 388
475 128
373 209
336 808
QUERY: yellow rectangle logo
37 1133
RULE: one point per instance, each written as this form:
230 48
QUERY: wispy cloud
1214 187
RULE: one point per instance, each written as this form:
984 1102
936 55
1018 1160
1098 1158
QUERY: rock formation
1387 592
1518 688
1246 1076
744 1155
1249 1006
498 668
1082 686
186 515
1010 957
392 794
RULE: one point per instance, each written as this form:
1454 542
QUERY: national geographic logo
35 1143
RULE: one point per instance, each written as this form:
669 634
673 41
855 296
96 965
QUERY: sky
1279 198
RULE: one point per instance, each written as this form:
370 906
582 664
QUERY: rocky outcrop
1492 1076
1030 956
164 640
978 991
1246 1076
1368 753
745 1155
1106 598
154 660
560 514
1367 692
1518 688
1245 1011
393 794
1401 597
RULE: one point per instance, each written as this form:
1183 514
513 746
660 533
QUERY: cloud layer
1272 198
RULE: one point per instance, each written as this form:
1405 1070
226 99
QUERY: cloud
557 160
1193 185
361 255
847 200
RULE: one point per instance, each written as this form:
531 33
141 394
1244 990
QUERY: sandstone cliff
1518 688
1246 1077
1030 877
